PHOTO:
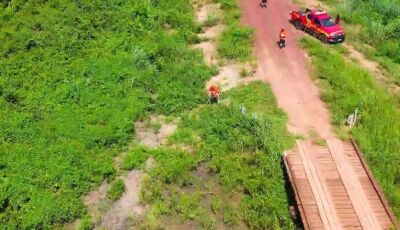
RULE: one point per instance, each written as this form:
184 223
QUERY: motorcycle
263 4
282 43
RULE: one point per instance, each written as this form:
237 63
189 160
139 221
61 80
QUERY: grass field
236 40
74 76
378 129
228 173
233 175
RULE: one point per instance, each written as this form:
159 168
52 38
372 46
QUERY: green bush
85 224
188 206
134 159
215 204
236 40
230 217
175 165
390 49
236 43
116 190
211 20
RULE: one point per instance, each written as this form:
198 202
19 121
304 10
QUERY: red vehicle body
318 23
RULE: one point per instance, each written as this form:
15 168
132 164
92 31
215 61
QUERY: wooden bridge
335 189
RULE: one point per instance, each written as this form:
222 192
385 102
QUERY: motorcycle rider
282 36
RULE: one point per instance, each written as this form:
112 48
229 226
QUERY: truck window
327 22
309 16
317 21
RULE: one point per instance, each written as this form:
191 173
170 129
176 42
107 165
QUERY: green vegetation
134 159
74 76
85 224
236 40
212 20
116 190
233 176
376 23
378 128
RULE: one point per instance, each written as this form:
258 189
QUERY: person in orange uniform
282 34
214 94
282 37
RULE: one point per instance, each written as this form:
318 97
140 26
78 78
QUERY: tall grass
236 40
378 129
379 21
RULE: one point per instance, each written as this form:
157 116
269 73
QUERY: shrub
235 43
230 218
211 20
215 204
236 40
85 224
116 190
134 159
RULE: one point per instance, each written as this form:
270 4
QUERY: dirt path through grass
286 69
118 216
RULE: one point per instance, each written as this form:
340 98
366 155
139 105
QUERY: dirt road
343 194
286 69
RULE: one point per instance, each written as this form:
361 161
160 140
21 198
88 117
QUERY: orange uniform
214 91
282 34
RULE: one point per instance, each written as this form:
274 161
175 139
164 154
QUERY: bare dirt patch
154 132
371 66
228 77
118 216
105 214
231 76
93 200
211 33
209 51
205 11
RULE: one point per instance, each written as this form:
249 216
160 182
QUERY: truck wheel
323 38
298 24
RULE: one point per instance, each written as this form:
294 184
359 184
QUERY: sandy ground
154 138
128 206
